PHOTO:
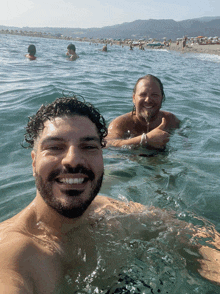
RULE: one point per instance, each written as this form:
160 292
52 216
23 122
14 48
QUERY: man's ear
33 156
134 98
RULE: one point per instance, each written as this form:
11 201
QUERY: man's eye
156 95
54 148
91 147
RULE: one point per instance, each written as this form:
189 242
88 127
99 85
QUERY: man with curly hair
67 137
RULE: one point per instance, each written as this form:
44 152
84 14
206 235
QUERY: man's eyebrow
90 138
51 138
60 139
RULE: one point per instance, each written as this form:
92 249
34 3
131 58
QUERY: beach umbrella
200 37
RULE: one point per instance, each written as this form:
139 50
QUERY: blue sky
97 13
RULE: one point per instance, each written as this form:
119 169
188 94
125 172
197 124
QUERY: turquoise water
185 178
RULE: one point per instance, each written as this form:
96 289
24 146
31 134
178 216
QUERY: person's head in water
71 48
32 49
67 137
148 77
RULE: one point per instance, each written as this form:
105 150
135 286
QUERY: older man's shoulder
119 126
122 119
172 121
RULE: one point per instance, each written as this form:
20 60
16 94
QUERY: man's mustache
79 169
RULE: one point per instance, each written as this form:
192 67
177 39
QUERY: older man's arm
157 138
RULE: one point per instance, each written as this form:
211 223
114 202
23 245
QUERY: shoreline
196 48
190 48
212 49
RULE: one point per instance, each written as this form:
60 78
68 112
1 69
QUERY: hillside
152 28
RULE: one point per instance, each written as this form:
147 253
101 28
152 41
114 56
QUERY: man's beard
150 115
69 210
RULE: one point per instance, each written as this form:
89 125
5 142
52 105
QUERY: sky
100 13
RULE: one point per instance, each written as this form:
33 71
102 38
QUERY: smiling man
71 240
67 137
146 125
67 165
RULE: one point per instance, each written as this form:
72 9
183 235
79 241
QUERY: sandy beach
190 48
196 48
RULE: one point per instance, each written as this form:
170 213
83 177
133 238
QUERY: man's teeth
72 180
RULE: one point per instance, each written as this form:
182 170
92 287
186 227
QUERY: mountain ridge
139 29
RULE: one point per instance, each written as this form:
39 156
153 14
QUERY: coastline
196 48
190 48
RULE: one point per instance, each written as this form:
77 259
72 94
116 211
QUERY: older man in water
68 238
146 125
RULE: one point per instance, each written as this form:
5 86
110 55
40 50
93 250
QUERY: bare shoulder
119 126
121 120
17 250
15 254
26 264
172 121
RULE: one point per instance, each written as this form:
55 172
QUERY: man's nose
73 156
147 98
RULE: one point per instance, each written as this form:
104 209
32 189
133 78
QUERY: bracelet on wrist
143 139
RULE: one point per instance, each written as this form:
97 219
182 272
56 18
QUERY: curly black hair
64 106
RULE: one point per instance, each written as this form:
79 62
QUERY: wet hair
154 78
145 78
32 49
71 47
64 106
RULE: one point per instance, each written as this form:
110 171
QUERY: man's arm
157 138
13 283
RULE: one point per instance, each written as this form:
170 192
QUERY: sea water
184 178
